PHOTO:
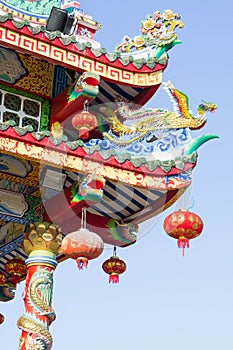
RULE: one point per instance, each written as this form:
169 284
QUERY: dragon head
89 188
206 107
7 292
87 84
87 79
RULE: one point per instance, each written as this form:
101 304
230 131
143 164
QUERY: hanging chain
114 251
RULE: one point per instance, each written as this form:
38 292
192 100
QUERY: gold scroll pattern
75 59
39 78
87 166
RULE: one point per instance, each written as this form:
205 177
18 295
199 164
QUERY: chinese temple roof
24 44
49 169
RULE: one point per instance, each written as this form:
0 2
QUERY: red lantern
2 278
183 225
114 267
82 245
84 122
2 318
16 268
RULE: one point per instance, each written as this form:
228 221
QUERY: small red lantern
84 122
114 267
183 225
2 318
82 245
16 268
2 278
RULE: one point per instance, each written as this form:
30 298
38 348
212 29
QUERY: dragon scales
142 123
42 244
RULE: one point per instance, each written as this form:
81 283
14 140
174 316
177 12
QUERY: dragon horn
197 142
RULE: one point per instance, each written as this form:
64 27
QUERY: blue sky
163 301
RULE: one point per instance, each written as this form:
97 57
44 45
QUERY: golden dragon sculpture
39 299
143 122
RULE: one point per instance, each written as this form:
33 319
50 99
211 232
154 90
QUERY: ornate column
42 243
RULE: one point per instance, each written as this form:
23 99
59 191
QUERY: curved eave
13 248
79 57
69 217
60 155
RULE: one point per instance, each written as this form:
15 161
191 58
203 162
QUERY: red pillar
38 312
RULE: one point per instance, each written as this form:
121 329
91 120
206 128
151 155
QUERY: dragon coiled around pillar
39 314
142 123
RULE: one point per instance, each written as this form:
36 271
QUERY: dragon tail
179 100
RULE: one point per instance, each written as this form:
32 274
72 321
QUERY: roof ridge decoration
157 138
157 35
138 156
139 124
66 40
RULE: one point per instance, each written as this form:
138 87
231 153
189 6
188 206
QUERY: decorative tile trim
79 163
60 49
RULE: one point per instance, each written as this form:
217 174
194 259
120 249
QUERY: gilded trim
75 60
87 166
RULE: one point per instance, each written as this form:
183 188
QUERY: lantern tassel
15 279
83 133
183 243
82 263
114 278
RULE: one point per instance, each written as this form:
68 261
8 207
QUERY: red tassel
183 243
113 278
14 279
82 263
83 133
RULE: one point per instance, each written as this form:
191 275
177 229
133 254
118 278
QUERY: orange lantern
82 245
16 268
2 278
114 267
2 318
183 225
84 122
